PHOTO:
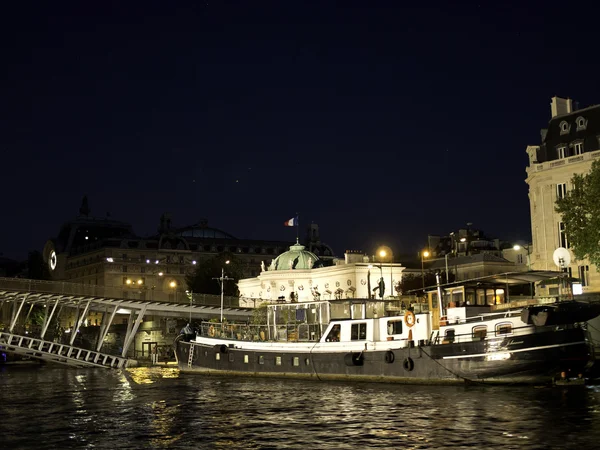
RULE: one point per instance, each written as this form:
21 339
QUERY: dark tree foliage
202 280
580 211
412 283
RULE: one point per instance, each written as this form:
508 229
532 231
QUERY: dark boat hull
536 358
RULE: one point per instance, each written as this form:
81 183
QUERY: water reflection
160 408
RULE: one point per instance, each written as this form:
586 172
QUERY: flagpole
297 228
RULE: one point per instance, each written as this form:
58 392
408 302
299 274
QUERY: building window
169 259
142 269
124 268
562 236
578 148
564 127
503 329
584 275
519 259
358 332
581 123
562 152
561 190
124 256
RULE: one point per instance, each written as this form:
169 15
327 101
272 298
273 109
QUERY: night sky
380 123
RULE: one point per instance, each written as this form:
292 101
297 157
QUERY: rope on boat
312 362
468 380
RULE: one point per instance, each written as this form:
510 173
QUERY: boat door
434 309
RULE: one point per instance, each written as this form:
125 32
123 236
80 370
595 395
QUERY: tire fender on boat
354 359
408 364
221 348
389 357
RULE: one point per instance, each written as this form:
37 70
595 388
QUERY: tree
580 211
202 280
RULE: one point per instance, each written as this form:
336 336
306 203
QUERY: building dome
296 258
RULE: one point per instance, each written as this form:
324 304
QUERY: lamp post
528 250
385 252
191 296
424 254
173 285
222 280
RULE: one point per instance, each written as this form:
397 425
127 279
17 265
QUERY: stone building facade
568 146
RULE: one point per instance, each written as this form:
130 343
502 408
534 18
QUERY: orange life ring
409 318
443 321
211 331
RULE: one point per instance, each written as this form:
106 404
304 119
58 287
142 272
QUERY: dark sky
380 123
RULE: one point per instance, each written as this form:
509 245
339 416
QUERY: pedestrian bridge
19 296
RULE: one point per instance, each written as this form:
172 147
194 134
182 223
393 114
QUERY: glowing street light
424 254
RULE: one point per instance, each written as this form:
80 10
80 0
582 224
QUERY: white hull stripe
530 349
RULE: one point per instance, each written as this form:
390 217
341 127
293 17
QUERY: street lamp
424 254
173 285
222 280
384 253
528 250
190 294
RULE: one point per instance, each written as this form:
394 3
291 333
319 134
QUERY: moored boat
452 338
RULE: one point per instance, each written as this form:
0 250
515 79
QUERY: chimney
560 106
353 256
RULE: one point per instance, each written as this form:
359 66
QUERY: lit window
218 356
479 332
278 360
503 329
261 359
561 190
578 148
246 359
296 361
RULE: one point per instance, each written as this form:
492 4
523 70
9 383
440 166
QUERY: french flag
293 222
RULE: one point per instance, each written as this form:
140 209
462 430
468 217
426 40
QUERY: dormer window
562 152
578 148
564 127
581 123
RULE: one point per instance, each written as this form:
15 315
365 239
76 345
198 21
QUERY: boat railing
483 317
449 337
251 332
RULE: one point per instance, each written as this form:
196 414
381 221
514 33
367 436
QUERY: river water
46 407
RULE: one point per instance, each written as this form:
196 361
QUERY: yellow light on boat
498 356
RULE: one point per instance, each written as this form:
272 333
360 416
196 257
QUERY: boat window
394 327
307 361
261 359
334 334
296 361
358 332
503 328
246 359
218 356
479 332
231 357
278 360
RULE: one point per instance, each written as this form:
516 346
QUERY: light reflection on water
50 407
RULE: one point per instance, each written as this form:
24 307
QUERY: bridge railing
91 290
